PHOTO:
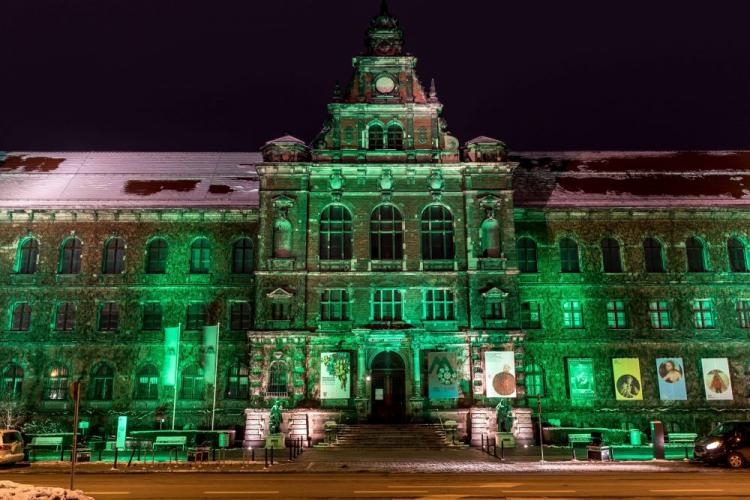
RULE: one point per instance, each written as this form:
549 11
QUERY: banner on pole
716 379
171 349
122 431
671 373
442 376
500 370
210 344
335 375
628 385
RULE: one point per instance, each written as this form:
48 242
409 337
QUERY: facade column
417 376
361 382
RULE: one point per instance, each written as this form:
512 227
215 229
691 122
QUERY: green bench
682 437
574 439
172 443
55 442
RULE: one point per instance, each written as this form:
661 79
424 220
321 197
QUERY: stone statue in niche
282 236
489 236
436 183
386 183
504 415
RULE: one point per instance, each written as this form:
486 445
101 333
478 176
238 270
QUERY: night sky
228 75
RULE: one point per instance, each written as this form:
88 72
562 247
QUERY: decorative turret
285 149
485 149
384 37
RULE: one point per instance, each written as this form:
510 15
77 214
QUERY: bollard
502 449
573 449
482 442
291 451
252 454
114 466
272 455
266 456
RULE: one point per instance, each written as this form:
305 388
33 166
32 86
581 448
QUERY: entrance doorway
388 388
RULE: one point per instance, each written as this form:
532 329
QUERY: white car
11 446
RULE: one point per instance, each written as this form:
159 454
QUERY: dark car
728 443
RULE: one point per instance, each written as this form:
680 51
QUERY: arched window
102 379
395 137
335 233
282 237
737 255
527 262
375 137
27 256
534 380
611 257
277 380
489 238
12 381
192 383
569 259
114 256
65 317
70 256
56 383
386 234
156 256
437 233
238 381
21 320
242 256
200 256
696 255
147 383
653 256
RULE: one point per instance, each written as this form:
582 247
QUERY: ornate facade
387 255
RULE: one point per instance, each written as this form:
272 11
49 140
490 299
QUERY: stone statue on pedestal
274 420
504 415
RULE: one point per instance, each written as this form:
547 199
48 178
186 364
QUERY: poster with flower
335 375
716 379
442 375
500 370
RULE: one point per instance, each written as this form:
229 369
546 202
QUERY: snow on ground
16 491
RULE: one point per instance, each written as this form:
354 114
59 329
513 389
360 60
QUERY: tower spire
384 37
384 8
433 91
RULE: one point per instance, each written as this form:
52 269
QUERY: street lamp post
541 435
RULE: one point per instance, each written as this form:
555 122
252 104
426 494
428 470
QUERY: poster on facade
581 381
442 375
628 385
716 379
335 375
500 374
671 372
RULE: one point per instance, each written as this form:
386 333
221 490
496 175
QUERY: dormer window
375 137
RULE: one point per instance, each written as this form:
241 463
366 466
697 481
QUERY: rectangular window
387 305
659 314
743 313
21 321
280 310
572 314
617 316
109 317
151 316
494 308
703 314
438 305
334 305
196 316
240 316
65 319
531 315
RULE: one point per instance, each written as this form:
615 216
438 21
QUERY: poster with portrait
716 379
500 374
581 381
671 375
335 375
628 386
442 375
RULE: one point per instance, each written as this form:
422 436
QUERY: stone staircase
391 436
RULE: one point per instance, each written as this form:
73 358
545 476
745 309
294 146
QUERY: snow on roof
127 180
286 139
632 179
483 139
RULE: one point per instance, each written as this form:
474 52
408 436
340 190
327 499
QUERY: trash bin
635 437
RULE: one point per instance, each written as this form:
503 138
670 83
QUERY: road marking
388 492
108 493
539 491
689 490
274 492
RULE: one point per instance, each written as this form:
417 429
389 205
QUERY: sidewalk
467 460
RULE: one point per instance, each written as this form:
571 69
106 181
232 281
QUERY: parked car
11 446
729 443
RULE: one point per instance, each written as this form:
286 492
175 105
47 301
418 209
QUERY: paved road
698 483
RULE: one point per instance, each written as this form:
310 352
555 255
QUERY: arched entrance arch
388 387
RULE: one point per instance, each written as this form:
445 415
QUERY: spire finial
384 8
433 90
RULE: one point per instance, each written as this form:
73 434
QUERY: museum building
382 272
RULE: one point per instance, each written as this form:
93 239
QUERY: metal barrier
488 445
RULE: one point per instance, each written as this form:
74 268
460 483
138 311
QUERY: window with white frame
572 314
617 316
703 314
438 304
387 305
743 313
334 305
660 314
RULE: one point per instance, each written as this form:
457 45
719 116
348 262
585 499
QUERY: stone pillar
417 391
361 382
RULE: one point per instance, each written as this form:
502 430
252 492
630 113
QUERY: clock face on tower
385 84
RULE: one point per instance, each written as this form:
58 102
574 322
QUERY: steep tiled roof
632 179
127 180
